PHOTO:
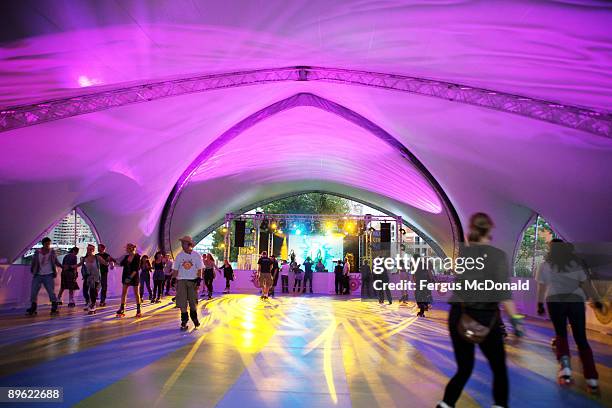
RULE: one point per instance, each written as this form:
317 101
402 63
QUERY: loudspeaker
263 241
239 233
385 232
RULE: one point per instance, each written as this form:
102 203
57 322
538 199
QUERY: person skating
284 273
481 307
308 274
69 277
104 272
43 269
381 281
129 278
145 276
209 274
297 280
264 274
228 274
366 280
346 277
158 277
90 267
275 273
167 273
338 277
422 277
187 270
563 283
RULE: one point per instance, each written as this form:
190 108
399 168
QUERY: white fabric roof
120 165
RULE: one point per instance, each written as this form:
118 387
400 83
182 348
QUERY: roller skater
138 312
565 371
32 310
43 269
187 269
564 283
90 266
121 311
131 264
193 314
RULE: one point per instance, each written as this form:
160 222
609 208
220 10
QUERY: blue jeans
48 282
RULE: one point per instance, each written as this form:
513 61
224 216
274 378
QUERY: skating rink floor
293 351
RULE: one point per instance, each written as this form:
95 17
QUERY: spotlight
224 230
403 231
298 232
222 245
329 225
371 229
252 230
273 226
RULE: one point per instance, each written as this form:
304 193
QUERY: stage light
252 230
329 225
403 231
298 232
224 230
273 226
371 229
222 245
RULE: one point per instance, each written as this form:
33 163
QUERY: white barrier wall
15 281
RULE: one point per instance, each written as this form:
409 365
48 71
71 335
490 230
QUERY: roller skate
565 372
194 318
138 312
54 311
32 310
593 387
184 320
92 309
71 304
517 325
121 311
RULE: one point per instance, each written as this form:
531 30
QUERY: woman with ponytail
481 310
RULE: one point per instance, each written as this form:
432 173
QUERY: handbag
471 330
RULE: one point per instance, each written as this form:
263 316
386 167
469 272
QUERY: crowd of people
564 285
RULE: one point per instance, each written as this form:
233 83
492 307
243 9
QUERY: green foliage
309 203
528 248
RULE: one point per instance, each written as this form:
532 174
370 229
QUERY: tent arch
433 244
297 100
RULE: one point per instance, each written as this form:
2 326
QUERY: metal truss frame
585 119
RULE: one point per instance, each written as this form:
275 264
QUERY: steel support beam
584 119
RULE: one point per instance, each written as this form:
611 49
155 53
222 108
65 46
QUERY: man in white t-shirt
187 269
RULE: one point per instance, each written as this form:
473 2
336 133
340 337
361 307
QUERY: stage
306 350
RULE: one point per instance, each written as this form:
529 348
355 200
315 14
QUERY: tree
309 203
528 251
